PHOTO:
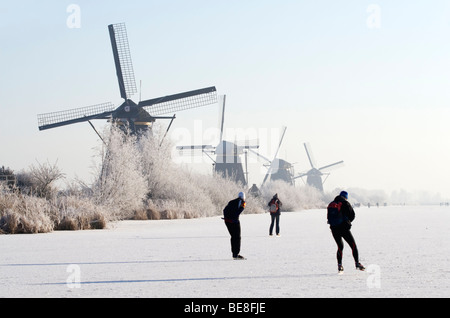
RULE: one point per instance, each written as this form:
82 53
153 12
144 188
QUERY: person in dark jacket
231 217
275 211
340 228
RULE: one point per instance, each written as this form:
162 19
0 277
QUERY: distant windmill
314 176
137 117
228 162
278 169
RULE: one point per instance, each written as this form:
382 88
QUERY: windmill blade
332 166
279 145
309 153
240 149
196 147
265 158
167 130
96 131
77 115
223 98
301 175
122 59
182 101
260 155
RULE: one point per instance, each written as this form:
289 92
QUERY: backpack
334 215
273 207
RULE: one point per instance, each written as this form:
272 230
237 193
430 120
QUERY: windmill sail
181 101
122 59
333 165
309 153
67 117
222 119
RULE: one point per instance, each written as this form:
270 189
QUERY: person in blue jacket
340 216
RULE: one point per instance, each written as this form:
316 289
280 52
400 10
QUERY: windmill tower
314 175
278 169
129 115
228 163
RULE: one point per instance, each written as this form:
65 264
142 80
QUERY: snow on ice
406 251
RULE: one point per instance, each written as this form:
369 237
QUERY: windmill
135 117
228 163
278 169
314 175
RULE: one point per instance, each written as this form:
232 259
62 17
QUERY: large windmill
314 175
228 161
135 117
278 169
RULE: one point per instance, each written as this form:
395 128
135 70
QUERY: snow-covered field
406 251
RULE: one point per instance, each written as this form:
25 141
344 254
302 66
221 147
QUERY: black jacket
233 209
347 211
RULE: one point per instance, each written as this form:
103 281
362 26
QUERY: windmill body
278 169
314 175
132 117
314 179
227 163
284 172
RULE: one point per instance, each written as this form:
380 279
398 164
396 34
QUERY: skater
231 217
340 216
274 209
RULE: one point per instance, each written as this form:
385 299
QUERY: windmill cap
344 194
241 195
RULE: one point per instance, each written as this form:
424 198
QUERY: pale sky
362 81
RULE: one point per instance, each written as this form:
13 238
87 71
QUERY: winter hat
241 195
344 194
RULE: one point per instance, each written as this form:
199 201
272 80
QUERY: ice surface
407 250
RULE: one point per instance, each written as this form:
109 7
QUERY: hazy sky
362 81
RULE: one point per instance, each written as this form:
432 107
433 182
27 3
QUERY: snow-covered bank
407 250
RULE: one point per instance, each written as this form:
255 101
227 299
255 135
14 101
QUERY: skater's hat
344 194
241 195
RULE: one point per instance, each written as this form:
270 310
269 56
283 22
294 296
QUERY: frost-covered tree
121 185
43 177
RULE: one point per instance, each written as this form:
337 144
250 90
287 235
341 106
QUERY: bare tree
43 177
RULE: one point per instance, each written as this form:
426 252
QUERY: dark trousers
344 233
235 231
275 219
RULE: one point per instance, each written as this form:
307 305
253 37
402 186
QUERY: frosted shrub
24 214
79 213
293 198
